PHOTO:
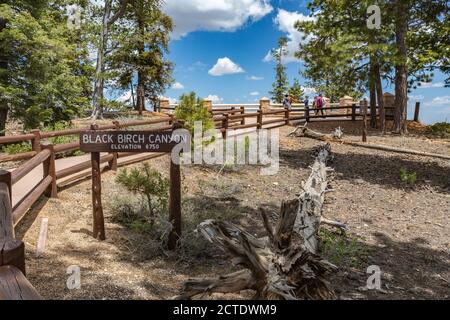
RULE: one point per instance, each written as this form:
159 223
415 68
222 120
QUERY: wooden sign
96 141
130 141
